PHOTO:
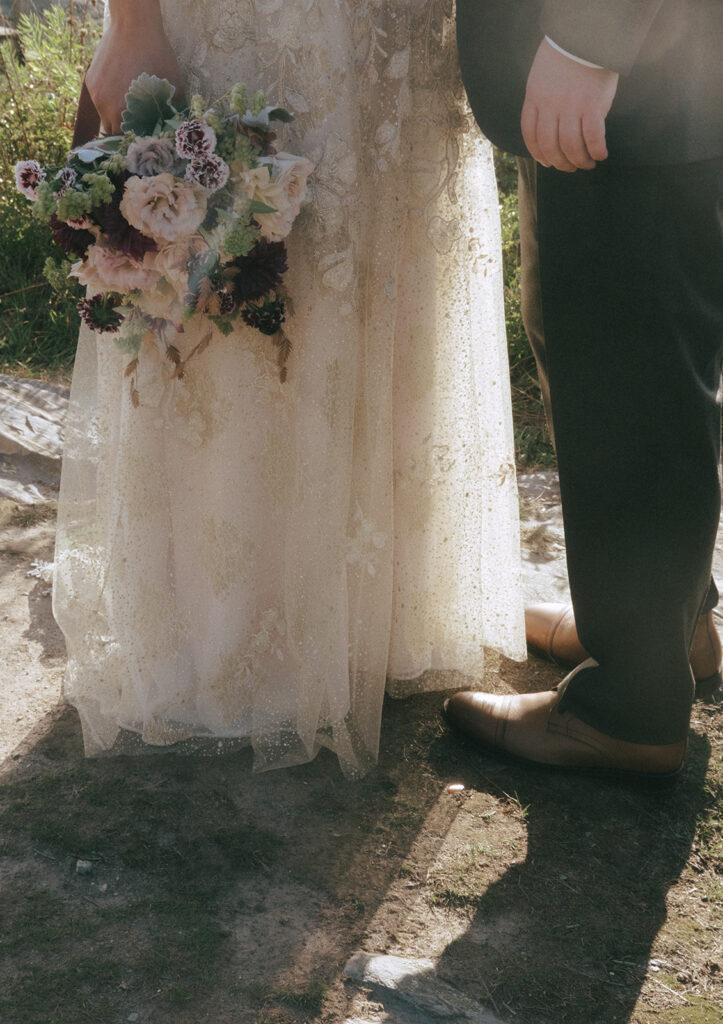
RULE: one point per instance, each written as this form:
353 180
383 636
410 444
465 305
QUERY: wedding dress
244 558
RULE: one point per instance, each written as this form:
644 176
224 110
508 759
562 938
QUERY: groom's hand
563 117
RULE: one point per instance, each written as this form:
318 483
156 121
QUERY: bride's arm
134 42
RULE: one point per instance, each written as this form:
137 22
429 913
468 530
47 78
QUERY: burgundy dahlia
72 240
99 313
260 271
266 317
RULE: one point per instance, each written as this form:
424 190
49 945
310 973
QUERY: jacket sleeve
605 32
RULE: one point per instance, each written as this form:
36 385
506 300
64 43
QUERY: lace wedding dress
242 558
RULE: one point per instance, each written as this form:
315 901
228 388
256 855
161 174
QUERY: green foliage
531 436
40 76
148 105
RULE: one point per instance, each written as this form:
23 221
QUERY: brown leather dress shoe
532 727
551 631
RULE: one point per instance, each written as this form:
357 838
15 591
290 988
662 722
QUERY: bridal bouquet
182 216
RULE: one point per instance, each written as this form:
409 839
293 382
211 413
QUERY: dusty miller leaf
148 105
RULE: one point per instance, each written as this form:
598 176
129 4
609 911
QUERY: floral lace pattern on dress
246 558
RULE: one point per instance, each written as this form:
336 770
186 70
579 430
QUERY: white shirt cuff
578 60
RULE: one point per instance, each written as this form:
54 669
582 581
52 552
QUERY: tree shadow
566 935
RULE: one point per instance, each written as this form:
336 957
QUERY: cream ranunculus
257 185
163 207
288 176
163 301
172 261
292 173
108 270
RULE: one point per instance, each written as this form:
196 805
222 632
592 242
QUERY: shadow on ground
186 889
567 933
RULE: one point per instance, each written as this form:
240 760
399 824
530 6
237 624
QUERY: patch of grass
309 998
30 515
451 896
358 906
477 852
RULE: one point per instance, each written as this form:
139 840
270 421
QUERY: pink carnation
28 175
209 171
195 139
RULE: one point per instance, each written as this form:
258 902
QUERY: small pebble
83 867
455 787
133 1016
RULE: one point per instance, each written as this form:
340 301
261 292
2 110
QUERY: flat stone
415 983
31 438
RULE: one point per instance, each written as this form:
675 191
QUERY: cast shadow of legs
566 934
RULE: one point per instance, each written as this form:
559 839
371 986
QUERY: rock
31 438
84 867
415 983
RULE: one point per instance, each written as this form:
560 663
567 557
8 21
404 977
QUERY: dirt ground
188 890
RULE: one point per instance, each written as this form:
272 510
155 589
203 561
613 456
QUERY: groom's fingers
528 124
548 143
593 130
573 143
551 144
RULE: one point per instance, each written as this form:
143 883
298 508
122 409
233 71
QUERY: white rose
163 207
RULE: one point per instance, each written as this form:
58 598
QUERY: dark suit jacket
669 106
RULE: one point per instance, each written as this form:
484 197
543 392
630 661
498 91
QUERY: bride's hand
134 42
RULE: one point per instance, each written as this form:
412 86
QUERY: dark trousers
623 302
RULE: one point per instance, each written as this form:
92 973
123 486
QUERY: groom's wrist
572 56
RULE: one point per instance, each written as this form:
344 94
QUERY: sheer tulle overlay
244 558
